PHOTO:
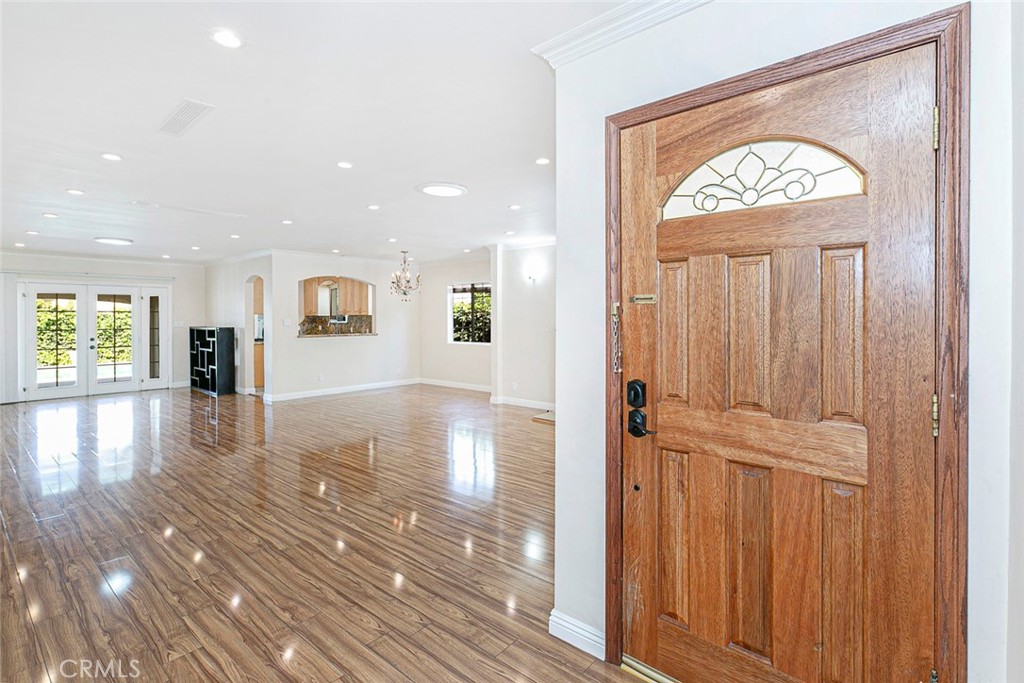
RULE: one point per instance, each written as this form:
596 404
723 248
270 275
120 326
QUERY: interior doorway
256 303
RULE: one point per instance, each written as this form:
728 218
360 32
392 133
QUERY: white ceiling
406 92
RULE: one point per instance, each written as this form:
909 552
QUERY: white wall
716 41
389 357
188 294
8 342
528 326
229 304
442 362
1015 663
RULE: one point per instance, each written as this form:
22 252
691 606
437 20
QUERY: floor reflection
471 460
115 434
57 448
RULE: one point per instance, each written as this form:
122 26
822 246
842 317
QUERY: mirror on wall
331 305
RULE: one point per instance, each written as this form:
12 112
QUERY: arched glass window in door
763 173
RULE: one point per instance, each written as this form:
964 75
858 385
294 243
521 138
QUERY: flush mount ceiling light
373 207
286 222
75 192
543 161
335 251
50 215
514 207
345 164
115 241
19 244
235 237
110 156
195 248
166 256
467 250
392 239
31 232
442 189
225 37
510 232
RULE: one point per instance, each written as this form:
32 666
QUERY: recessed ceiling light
195 248
373 207
166 256
286 222
223 36
411 258
31 232
510 232
543 161
235 237
19 244
75 192
116 241
392 239
50 215
335 251
344 164
514 207
467 250
442 189
110 156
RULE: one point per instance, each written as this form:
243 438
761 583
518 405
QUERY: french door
95 339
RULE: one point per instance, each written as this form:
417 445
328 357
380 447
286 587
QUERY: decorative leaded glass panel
761 174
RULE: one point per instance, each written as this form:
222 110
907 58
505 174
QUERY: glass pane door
56 353
155 341
113 339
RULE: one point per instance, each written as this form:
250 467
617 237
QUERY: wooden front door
778 257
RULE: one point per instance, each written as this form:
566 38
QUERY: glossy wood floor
398 535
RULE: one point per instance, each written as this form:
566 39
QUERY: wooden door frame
949 30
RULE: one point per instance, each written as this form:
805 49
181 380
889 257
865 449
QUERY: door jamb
949 30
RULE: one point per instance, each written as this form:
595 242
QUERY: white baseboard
576 633
455 385
245 390
522 402
183 384
274 398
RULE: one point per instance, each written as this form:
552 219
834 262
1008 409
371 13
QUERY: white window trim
449 314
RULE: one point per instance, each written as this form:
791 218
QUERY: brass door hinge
935 415
935 128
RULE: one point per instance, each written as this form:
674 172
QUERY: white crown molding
606 29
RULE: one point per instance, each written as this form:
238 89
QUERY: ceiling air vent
184 117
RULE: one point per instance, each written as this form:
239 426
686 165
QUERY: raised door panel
673 332
749 323
673 541
750 550
842 334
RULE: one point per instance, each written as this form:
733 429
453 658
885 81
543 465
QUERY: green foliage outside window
471 315
56 334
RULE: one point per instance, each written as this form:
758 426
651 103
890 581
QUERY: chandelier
402 282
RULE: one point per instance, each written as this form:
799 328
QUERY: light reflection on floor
471 456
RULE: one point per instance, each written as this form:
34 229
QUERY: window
56 340
469 313
761 174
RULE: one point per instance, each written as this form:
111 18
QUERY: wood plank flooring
397 535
